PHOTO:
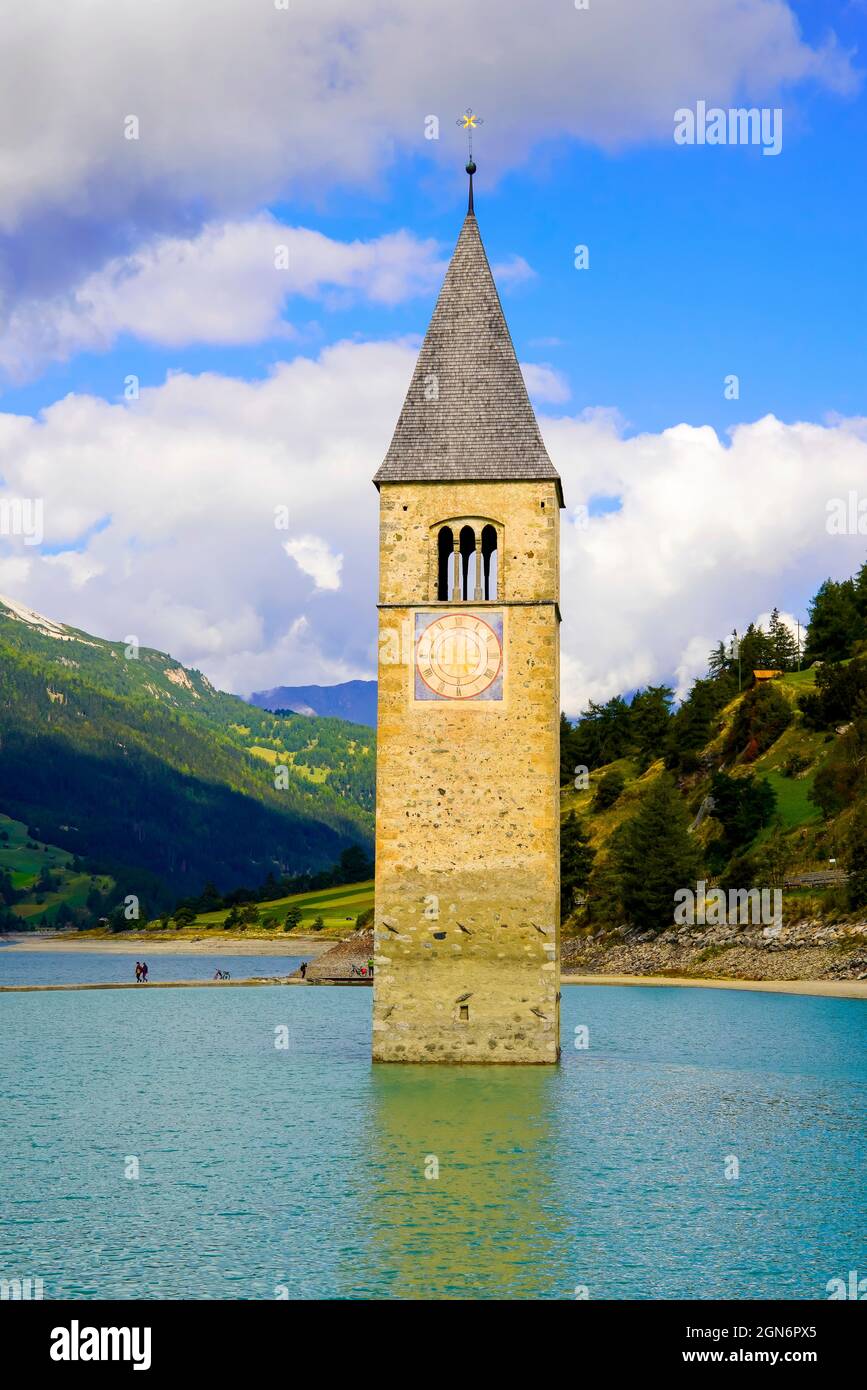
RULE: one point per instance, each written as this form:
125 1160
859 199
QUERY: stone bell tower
467 806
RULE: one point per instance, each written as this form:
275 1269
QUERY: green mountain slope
129 760
815 769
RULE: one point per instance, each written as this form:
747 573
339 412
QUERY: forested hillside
122 757
750 782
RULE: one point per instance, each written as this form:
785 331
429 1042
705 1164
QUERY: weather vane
469 121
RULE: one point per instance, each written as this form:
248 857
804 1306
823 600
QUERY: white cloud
313 557
707 536
170 501
514 271
228 284
788 620
240 104
545 383
78 569
161 514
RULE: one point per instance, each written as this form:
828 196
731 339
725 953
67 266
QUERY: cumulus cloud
228 284
514 271
238 104
545 383
160 522
177 503
312 556
709 535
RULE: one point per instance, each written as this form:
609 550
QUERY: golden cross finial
469 121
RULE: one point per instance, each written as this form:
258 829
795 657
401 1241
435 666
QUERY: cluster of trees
760 718
249 916
841 781
8 896
836 630
838 619
742 806
839 695
617 729
757 650
645 728
652 854
354 866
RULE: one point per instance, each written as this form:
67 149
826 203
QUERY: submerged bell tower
467 805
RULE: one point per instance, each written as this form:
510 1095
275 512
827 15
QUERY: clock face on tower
459 656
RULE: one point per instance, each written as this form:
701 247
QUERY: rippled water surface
302 1169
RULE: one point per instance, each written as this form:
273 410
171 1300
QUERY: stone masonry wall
467 861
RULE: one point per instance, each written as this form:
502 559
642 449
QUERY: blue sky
705 261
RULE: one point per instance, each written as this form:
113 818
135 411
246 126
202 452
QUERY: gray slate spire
467 416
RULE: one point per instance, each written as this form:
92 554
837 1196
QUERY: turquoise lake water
101 967
302 1170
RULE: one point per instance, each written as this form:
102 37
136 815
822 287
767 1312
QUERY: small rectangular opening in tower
465 1013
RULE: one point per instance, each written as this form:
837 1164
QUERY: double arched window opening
467 570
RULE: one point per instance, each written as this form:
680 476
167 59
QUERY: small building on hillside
760 676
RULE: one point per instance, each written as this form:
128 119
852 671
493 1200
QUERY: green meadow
24 859
338 907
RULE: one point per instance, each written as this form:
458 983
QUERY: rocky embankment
809 950
344 961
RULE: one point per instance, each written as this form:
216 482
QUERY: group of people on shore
141 972
366 970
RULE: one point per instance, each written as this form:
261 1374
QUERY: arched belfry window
466 561
445 563
489 561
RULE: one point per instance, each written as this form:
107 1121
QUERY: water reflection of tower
461 1198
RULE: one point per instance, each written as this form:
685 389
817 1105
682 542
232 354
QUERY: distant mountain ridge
131 760
353 700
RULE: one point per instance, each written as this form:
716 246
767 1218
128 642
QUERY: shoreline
311 946
315 947
827 989
153 984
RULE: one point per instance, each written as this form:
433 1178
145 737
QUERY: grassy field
24 858
793 805
800 679
601 824
338 908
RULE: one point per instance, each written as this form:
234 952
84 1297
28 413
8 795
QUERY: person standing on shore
304 970
138 972
144 972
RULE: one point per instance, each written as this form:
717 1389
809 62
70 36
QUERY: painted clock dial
459 656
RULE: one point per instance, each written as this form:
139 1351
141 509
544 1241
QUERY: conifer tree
835 623
784 648
655 856
292 918
757 653
576 861
719 662
860 583
568 755
856 858
649 717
